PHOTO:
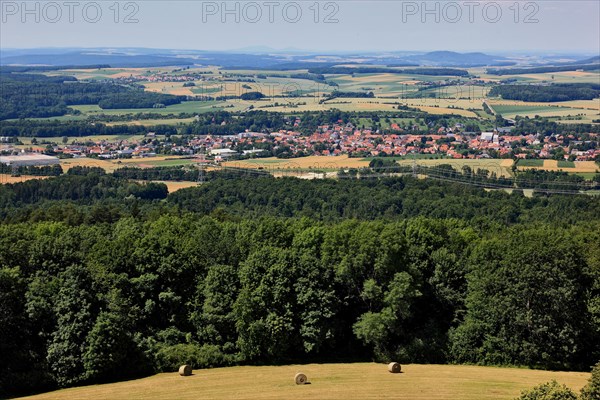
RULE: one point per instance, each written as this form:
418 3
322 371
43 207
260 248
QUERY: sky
504 27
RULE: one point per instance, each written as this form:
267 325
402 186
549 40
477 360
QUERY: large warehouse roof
29 159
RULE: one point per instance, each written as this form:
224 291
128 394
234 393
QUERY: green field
530 163
328 381
523 109
566 164
185 107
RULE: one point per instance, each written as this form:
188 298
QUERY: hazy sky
347 25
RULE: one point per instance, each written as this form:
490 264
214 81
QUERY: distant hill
593 60
450 58
89 58
128 60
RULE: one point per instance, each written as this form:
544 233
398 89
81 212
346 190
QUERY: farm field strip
328 382
589 167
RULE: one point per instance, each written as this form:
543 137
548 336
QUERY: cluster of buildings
338 139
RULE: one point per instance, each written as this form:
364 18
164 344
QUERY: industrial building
26 160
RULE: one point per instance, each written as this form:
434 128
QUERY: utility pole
414 166
201 165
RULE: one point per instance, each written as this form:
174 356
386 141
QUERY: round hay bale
300 379
185 370
394 368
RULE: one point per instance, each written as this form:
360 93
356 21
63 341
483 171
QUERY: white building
223 153
29 159
487 136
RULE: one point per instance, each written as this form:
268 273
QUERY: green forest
106 279
40 96
550 93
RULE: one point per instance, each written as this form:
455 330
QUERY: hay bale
185 370
394 368
300 379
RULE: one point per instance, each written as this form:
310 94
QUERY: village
329 140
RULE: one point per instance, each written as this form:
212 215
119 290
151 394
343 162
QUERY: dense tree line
337 93
84 186
158 174
252 96
394 197
103 280
40 96
46 170
226 123
54 128
546 127
555 92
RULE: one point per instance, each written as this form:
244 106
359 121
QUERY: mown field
311 162
111 165
328 381
499 166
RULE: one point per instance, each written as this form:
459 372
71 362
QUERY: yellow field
87 162
327 382
313 162
5 178
112 165
500 167
432 106
174 88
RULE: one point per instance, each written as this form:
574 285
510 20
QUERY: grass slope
329 381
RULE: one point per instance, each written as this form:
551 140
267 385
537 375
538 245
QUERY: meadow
328 382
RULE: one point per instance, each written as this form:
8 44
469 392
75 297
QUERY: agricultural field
112 165
285 94
550 77
328 381
184 107
579 167
499 166
7 178
530 163
585 110
502 167
302 163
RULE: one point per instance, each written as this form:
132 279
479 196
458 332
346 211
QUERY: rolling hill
328 381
